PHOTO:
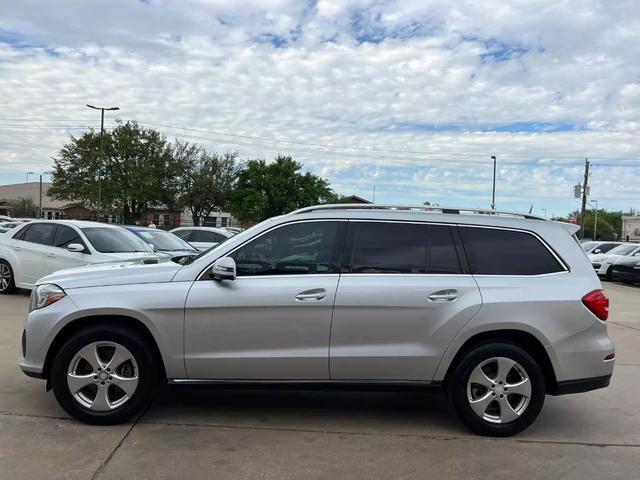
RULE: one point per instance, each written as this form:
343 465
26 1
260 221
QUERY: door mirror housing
75 247
597 250
224 269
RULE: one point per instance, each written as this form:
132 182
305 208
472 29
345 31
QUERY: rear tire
105 375
608 275
7 279
497 389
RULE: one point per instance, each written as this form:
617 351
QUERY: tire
114 391
7 279
504 412
608 275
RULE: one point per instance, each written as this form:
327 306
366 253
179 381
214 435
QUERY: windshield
588 246
163 241
115 240
623 249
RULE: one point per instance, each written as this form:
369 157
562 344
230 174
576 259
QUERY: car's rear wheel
497 389
609 274
7 280
105 375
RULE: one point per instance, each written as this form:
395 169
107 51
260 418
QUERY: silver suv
498 309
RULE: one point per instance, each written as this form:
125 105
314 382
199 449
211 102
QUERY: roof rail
417 208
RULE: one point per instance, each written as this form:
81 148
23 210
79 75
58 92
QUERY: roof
31 190
439 214
208 229
74 223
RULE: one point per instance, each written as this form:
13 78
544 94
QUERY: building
353 199
213 219
50 208
631 228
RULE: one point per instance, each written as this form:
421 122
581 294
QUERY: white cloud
507 78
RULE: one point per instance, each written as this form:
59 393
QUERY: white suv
35 249
348 294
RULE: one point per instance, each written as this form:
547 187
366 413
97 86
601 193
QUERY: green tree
264 190
139 170
22 207
208 181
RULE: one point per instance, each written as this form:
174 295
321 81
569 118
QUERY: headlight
44 295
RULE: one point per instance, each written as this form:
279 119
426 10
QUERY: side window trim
564 266
340 236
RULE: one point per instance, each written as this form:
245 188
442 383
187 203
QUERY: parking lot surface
244 433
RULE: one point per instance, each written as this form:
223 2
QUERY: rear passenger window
402 248
206 236
41 233
505 252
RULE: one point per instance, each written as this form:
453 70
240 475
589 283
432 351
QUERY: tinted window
21 233
299 248
115 240
505 252
185 235
41 233
402 248
66 236
604 248
208 237
163 241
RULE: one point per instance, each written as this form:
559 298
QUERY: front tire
7 279
105 375
497 389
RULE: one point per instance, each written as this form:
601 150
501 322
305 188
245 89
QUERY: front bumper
601 267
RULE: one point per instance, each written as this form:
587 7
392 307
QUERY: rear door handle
443 296
17 249
313 294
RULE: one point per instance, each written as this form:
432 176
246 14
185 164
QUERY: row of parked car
615 261
32 249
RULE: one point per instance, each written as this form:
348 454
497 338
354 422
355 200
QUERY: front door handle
313 294
443 296
17 249
51 255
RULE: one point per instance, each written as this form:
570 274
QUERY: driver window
295 249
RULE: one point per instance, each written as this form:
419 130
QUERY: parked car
336 294
10 225
202 238
35 249
627 269
603 262
234 230
163 243
593 247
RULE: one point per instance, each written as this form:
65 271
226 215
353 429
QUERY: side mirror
224 269
597 250
75 247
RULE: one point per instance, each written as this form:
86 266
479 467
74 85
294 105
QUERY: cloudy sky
412 97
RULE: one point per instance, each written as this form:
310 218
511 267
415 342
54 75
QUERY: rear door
31 250
404 294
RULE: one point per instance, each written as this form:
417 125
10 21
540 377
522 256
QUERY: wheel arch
521 338
83 322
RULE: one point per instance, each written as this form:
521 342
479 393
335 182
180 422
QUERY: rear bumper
581 385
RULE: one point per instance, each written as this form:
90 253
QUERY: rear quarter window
493 251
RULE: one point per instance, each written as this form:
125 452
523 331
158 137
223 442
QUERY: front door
403 296
273 321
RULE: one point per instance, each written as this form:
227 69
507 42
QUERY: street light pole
102 109
493 194
29 173
595 220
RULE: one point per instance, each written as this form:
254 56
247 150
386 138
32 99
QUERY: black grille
24 343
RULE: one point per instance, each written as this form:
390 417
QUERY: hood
130 255
630 261
604 257
114 273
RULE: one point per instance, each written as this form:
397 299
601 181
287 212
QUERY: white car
35 249
202 238
594 247
603 262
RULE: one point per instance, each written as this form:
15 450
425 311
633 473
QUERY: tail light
598 303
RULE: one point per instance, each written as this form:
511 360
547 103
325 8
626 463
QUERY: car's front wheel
7 280
105 375
497 389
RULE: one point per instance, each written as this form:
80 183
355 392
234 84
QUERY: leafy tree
208 181
266 189
139 170
22 207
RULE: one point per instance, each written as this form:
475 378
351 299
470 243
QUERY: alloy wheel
5 276
102 376
499 390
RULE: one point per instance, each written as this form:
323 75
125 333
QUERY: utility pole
40 207
493 194
29 173
102 109
585 187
